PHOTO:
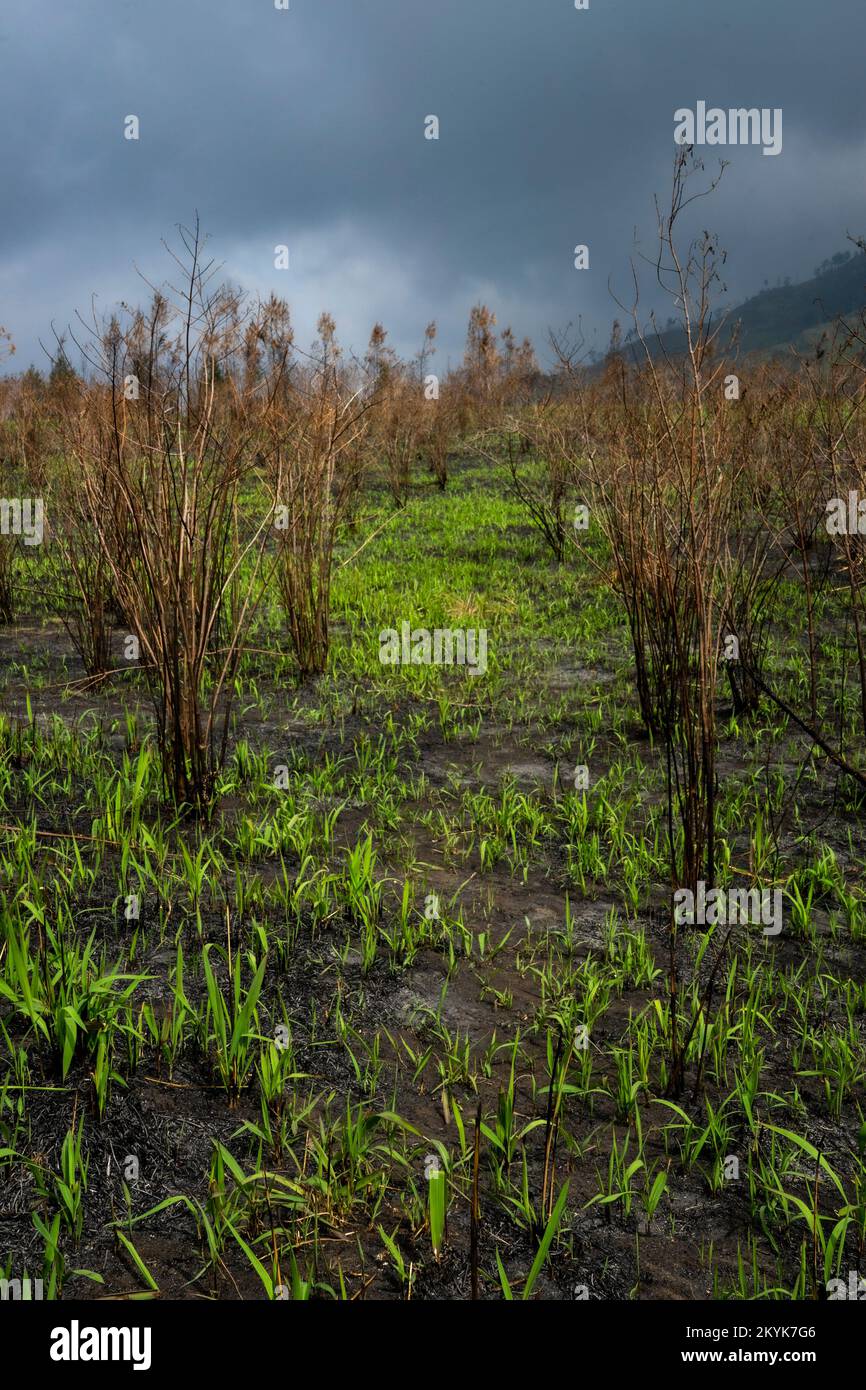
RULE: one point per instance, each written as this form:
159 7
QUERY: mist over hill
777 319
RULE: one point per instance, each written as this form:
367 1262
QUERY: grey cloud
306 127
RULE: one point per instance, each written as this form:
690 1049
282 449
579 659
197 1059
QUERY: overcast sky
306 127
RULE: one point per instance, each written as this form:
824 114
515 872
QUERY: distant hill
774 320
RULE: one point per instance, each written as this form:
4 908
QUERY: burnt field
431 859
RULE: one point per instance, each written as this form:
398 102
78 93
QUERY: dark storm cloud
306 127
